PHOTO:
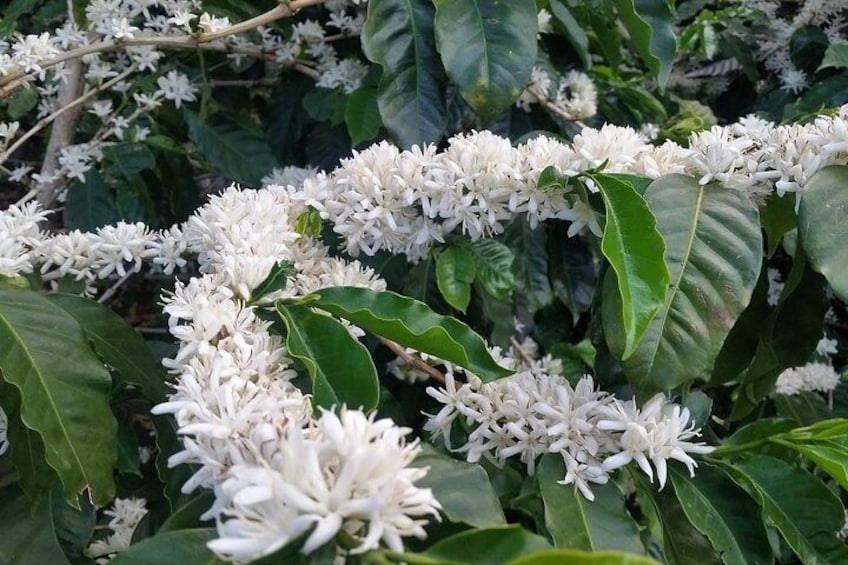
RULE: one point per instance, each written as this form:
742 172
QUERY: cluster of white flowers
537 411
815 377
125 514
573 96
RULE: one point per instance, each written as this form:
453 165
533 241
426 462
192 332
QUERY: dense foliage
423 281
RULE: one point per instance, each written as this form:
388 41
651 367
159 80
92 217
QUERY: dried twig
414 360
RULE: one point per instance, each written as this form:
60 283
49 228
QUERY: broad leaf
413 324
778 217
634 248
362 116
64 391
128 159
574 274
117 343
277 279
806 407
530 264
578 523
836 56
488 48
455 271
398 35
723 512
830 455
463 489
188 515
89 205
577 557
494 262
649 23
823 226
27 536
238 153
181 546
568 27
804 510
714 256
490 546
754 435
341 368
35 476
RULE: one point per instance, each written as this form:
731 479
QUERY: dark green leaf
398 35
284 125
830 455
12 14
494 262
238 153
73 528
777 217
575 522
529 260
806 407
714 256
325 105
805 511
754 434
64 391
117 343
128 159
341 368
455 272
568 27
724 513
836 56
635 251
27 450
22 102
27 536
276 280
649 23
577 557
463 489
488 48
823 226
573 272
128 456
413 324
167 444
188 515
89 205
181 546
700 406
490 546
362 115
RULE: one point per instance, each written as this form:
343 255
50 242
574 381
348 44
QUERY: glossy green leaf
463 489
577 557
575 522
806 407
64 391
634 249
276 280
573 269
26 530
778 217
26 449
325 105
398 35
128 159
181 546
494 262
754 434
571 30
73 528
188 515
237 152
488 48
836 56
89 205
530 263
455 271
490 546
341 368
714 256
362 115
723 512
831 456
117 344
413 324
649 24
804 510
309 223
823 226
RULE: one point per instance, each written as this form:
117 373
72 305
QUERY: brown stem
414 360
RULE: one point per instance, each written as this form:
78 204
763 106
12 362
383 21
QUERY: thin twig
110 292
520 350
414 360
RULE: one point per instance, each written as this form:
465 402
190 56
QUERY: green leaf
310 223
117 343
529 260
575 522
573 271
128 159
723 512
806 512
181 546
635 251
12 15
823 226
463 489
714 256
235 151
362 115
490 546
276 280
836 56
778 217
455 272
325 105
830 456
22 102
494 262
398 35
129 460
754 434
413 324
806 407
188 515
572 31
577 557
488 48
64 391
89 205
649 23
27 535
341 368
73 528
168 442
